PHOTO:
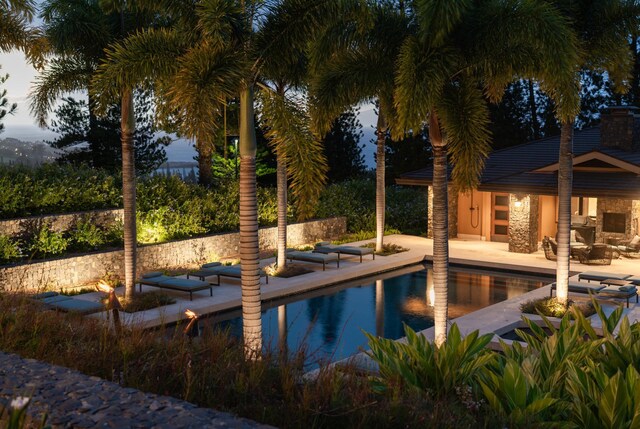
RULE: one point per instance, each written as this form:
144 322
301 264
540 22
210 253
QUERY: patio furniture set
593 254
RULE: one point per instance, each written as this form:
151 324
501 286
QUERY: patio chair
67 304
550 248
159 280
596 254
630 248
599 276
326 248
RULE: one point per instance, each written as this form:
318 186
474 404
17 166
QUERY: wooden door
500 217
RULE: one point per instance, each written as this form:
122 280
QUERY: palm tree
222 61
454 60
79 31
351 66
602 29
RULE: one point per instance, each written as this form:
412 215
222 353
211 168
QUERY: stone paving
74 400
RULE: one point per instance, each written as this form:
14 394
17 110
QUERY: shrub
46 242
9 249
550 307
87 236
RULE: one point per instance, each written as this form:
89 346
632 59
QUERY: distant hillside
14 151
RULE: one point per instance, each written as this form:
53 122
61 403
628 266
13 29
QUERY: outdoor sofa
219 270
596 254
68 304
318 258
159 280
326 248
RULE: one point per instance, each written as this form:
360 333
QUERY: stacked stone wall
182 254
59 222
524 213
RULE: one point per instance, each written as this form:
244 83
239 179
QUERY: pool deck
490 255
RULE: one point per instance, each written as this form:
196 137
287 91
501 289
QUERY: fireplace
614 222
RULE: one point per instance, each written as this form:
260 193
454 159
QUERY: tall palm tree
354 63
446 71
226 59
602 29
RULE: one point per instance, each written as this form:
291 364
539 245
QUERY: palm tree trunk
440 231
128 192
249 250
381 132
281 173
565 185
205 154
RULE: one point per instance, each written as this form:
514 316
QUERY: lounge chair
159 280
596 254
233 271
326 248
601 291
601 275
319 258
67 304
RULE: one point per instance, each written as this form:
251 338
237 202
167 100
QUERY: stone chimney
620 128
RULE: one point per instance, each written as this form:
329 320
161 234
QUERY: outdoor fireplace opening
614 222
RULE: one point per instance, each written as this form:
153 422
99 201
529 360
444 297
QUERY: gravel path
74 400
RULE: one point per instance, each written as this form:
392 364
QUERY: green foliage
5 108
87 236
406 207
460 362
550 307
56 189
9 249
147 301
46 242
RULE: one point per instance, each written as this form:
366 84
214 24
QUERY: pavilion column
523 223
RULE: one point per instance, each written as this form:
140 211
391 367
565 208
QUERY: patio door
500 217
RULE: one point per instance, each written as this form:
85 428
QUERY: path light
192 330
113 304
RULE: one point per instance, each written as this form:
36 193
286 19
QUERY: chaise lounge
219 270
318 258
67 304
602 290
327 248
159 280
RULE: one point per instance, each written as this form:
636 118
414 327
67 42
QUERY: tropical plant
446 68
5 108
439 370
16 33
603 45
351 65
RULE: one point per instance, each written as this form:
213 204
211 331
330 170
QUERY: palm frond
148 54
438 18
62 75
289 134
221 22
15 33
422 73
464 116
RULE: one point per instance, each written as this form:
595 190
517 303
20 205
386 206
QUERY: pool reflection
331 326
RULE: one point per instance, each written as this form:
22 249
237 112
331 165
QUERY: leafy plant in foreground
459 362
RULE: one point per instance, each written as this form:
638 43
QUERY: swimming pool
329 321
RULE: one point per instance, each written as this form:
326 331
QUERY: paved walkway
469 252
74 400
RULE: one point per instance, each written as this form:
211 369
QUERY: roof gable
596 161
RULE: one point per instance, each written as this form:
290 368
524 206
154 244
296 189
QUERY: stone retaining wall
88 268
60 222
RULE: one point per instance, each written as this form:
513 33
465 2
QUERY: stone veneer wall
88 268
612 205
453 212
60 222
523 223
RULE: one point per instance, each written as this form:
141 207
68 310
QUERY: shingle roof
511 168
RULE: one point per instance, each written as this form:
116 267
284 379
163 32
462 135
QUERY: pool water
330 322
